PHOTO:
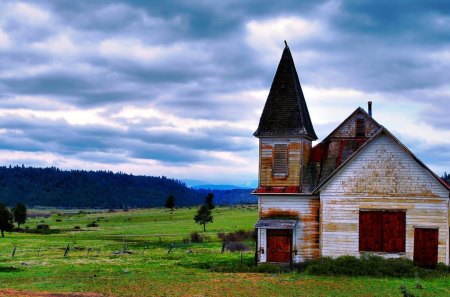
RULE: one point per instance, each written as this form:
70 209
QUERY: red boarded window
382 231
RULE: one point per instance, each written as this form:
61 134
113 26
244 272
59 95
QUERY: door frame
434 228
291 235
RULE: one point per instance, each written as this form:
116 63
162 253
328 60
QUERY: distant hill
216 187
230 197
198 184
53 187
89 189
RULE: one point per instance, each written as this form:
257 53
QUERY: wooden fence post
170 248
124 246
67 250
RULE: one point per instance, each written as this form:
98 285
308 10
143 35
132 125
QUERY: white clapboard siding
382 176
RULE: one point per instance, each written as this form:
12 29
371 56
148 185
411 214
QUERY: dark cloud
89 141
191 60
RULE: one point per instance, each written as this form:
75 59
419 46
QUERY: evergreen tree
6 219
203 216
209 201
20 214
170 202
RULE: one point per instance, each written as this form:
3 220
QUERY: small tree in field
6 219
203 216
20 214
209 201
170 202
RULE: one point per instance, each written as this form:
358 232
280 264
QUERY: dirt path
15 293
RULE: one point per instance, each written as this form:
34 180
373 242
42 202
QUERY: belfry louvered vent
280 160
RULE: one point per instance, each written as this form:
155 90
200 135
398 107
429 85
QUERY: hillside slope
89 189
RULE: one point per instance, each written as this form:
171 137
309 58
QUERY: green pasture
96 262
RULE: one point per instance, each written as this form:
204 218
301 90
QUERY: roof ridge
364 145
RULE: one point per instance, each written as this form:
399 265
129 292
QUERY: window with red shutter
382 231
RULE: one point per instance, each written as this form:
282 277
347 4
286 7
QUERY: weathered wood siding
298 155
384 177
306 233
348 128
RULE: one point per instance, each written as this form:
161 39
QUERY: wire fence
80 249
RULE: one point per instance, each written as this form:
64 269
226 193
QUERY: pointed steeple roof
285 112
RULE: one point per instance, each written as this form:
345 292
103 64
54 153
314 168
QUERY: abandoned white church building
360 190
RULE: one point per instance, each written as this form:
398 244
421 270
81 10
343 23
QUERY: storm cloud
177 87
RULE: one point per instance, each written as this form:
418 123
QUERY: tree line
89 189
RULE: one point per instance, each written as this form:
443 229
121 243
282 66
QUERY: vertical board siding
279 246
296 149
381 231
370 230
394 231
305 234
426 247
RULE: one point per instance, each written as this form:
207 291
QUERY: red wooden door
426 246
279 246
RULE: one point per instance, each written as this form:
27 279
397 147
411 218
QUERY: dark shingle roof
285 112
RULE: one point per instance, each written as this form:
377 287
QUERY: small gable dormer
285 130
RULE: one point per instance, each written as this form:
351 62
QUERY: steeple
285 112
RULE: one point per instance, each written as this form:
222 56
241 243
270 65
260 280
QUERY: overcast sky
176 88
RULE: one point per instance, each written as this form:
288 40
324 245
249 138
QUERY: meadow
144 252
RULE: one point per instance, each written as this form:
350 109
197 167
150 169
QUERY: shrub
405 292
93 224
195 237
240 235
58 220
77 228
370 265
236 246
43 227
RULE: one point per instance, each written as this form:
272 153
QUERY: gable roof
336 148
385 131
285 112
358 110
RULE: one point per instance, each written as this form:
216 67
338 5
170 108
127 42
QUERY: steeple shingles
285 112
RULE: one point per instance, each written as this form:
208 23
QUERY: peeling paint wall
348 128
306 233
382 177
340 222
298 152
382 169
343 142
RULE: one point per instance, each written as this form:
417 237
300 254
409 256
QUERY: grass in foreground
95 262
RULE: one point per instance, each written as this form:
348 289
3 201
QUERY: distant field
190 269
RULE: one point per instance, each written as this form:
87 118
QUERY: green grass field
190 269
